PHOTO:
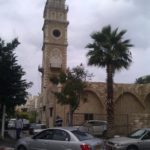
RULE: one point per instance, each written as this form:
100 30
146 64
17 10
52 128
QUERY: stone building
30 105
129 99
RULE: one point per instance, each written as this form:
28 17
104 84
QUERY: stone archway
92 108
91 105
147 103
128 103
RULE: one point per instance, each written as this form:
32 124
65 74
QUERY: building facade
54 54
128 98
30 105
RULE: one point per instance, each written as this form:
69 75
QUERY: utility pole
3 121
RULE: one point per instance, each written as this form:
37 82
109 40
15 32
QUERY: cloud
131 15
24 19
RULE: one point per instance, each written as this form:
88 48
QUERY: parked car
36 128
137 140
26 124
12 123
94 127
60 138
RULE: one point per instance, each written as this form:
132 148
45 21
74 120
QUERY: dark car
36 128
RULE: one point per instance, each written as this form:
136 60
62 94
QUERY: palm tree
109 50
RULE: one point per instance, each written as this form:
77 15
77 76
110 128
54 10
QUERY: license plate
97 147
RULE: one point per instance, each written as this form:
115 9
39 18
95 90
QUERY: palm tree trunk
70 116
109 101
3 121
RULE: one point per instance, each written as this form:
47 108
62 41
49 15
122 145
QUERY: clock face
56 33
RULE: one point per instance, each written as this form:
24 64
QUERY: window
44 108
82 135
146 136
137 134
88 116
47 135
61 135
51 111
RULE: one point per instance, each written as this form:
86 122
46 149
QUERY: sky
24 20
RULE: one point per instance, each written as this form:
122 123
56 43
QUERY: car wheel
132 148
21 148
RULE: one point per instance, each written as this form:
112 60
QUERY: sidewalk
7 143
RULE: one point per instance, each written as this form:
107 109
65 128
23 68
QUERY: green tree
73 84
24 115
12 85
109 50
143 80
32 116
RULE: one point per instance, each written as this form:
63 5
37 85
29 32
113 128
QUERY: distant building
30 105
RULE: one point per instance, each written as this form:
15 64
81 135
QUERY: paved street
10 139
12 133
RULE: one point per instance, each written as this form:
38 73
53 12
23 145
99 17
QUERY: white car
94 127
12 123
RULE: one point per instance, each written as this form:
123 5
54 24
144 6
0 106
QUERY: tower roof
56 4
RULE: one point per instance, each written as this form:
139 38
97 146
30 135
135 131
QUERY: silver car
137 140
67 138
94 127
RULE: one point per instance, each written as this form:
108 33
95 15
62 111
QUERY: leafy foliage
12 85
32 116
73 84
24 115
143 80
109 48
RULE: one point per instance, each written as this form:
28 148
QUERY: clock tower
54 54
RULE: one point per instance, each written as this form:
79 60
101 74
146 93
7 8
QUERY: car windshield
82 135
137 134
